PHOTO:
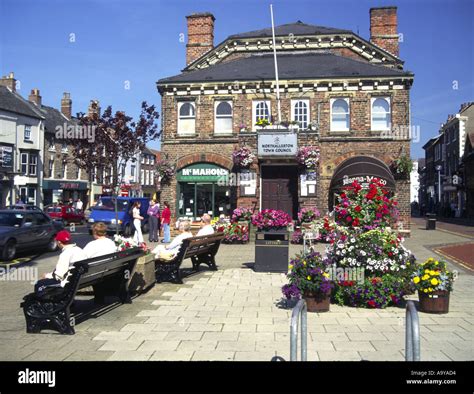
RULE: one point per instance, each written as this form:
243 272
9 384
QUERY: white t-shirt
206 230
69 255
136 213
100 247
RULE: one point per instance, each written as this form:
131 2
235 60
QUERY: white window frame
216 104
308 115
52 144
51 167
254 113
64 147
27 128
142 177
331 103
78 172
132 170
181 119
372 100
24 163
64 170
33 165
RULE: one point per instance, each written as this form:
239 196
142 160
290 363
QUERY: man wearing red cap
70 253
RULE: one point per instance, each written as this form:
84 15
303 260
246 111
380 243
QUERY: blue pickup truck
104 211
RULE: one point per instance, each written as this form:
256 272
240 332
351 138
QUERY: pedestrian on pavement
70 253
101 244
153 218
165 222
137 223
79 204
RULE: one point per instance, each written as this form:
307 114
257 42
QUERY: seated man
206 228
170 251
70 253
101 244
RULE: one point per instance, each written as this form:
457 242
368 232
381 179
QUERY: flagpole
276 67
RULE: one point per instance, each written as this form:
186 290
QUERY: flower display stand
271 251
143 276
434 302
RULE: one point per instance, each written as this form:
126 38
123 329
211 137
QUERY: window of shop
380 113
340 114
223 117
33 164
187 118
27 133
201 189
300 112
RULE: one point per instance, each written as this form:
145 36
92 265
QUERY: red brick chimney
383 28
66 105
9 81
200 35
35 97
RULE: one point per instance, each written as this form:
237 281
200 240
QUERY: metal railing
299 311
412 333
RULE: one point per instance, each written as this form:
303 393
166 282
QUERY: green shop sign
204 172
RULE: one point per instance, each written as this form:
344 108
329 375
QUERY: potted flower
401 167
308 279
262 122
294 125
234 233
243 157
306 216
434 283
271 240
243 128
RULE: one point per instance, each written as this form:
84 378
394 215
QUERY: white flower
353 240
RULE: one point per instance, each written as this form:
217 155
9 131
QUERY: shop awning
362 169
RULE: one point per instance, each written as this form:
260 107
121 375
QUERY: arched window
223 117
261 110
340 115
187 118
301 113
380 113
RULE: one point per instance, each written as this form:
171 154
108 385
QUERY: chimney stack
35 97
9 81
200 35
66 105
383 28
94 108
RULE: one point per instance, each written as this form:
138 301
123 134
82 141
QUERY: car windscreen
53 210
109 205
11 219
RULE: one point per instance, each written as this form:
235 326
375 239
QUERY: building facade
21 146
445 179
148 173
340 93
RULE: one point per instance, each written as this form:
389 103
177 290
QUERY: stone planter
271 251
319 302
143 276
435 302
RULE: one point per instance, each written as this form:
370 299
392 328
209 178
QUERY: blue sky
115 41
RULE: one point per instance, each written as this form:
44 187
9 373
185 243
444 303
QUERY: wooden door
279 188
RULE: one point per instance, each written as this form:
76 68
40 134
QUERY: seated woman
169 252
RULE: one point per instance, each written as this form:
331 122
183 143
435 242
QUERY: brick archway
336 162
204 157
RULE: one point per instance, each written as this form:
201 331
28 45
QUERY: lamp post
438 168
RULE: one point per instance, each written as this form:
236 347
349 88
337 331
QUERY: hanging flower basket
308 158
243 157
165 170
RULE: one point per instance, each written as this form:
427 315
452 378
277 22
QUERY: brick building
345 95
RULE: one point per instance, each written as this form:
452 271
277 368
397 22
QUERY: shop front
202 188
63 191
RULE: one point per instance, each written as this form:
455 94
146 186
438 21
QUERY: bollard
299 311
412 333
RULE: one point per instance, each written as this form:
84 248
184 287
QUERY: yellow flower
432 273
308 277
427 271
436 263
304 262
326 275
425 290
430 289
416 279
425 277
291 266
434 281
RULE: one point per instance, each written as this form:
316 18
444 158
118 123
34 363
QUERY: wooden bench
108 275
201 250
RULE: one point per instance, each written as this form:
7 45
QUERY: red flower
358 208
343 195
371 303
356 222
349 218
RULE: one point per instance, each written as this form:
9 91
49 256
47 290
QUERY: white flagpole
276 67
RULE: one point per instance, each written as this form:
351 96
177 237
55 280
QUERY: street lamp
438 168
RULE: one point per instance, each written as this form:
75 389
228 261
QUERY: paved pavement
237 314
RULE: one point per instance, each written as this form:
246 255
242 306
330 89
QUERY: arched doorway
360 168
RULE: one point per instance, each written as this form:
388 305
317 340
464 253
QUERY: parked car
24 207
24 230
104 211
65 213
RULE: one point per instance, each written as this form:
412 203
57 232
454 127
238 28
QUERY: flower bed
234 233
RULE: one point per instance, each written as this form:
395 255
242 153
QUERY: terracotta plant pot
319 302
435 302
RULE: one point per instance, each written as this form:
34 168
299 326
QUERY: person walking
165 222
137 223
153 217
